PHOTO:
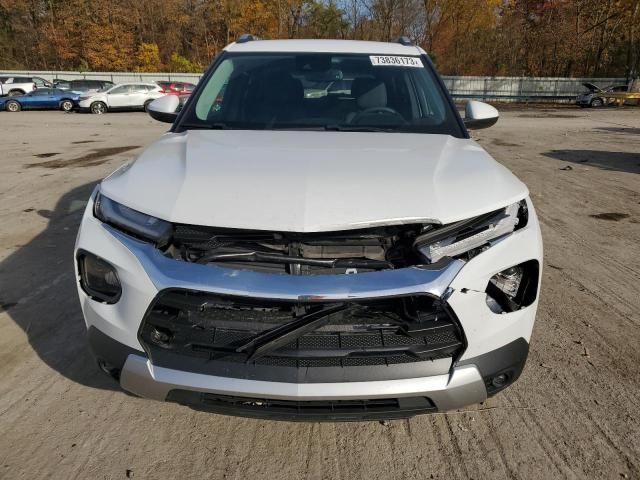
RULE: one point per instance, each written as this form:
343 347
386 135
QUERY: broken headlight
467 235
132 221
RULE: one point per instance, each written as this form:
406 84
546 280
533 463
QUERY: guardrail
505 89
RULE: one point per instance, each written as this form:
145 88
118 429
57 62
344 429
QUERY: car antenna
404 40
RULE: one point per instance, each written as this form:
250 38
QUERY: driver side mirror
164 109
479 115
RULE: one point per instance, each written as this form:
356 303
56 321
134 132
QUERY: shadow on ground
39 293
622 130
617 161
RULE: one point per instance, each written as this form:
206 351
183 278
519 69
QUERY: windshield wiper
356 128
268 341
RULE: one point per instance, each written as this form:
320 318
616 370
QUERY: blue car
41 99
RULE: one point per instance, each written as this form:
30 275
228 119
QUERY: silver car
125 96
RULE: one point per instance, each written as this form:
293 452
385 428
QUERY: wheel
66 105
597 102
98 108
13 93
12 106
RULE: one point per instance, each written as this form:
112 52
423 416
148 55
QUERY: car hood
591 87
312 181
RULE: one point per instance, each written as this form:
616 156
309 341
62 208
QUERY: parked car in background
176 88
83 86
40 82
16 85
126 96
596 96
41 99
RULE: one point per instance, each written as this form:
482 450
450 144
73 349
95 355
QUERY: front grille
384 408
216 329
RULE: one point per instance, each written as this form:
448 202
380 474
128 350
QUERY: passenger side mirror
479 115
164 109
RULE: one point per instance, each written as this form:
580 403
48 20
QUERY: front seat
280 99
369 93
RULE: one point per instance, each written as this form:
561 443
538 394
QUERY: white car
124 96
351 255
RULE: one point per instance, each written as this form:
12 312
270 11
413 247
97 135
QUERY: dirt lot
573 414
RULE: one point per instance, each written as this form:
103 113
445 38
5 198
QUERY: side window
120 89
39 82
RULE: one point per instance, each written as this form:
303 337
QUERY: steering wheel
376 110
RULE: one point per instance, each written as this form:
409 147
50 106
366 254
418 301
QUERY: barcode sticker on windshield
395 61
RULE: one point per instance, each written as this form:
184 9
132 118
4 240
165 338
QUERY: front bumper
144 272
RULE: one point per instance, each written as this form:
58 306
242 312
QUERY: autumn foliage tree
465 37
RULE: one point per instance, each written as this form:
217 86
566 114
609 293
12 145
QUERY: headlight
132 221
462 237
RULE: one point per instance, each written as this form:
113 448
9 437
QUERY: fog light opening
98 278
513 288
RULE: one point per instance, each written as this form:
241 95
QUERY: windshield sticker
395 61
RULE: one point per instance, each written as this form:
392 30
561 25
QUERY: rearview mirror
164 109
479 115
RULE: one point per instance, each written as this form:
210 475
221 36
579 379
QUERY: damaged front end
314 330
343 252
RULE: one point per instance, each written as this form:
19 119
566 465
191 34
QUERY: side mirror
479 115
164 109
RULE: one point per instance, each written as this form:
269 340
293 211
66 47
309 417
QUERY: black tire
98 108
13 93
66 105
597 102
12 106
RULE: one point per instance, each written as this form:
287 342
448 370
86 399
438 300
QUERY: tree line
464 37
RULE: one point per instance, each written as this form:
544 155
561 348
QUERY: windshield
323 91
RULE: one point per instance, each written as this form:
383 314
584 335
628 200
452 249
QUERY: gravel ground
573 413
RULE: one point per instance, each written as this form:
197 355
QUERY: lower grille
212 329
384 408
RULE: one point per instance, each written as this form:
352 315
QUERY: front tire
12 106
98 108
597 102
66 105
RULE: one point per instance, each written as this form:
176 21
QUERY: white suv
290 249
125 96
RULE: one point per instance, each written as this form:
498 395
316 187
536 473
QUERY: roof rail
246 37
406 41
